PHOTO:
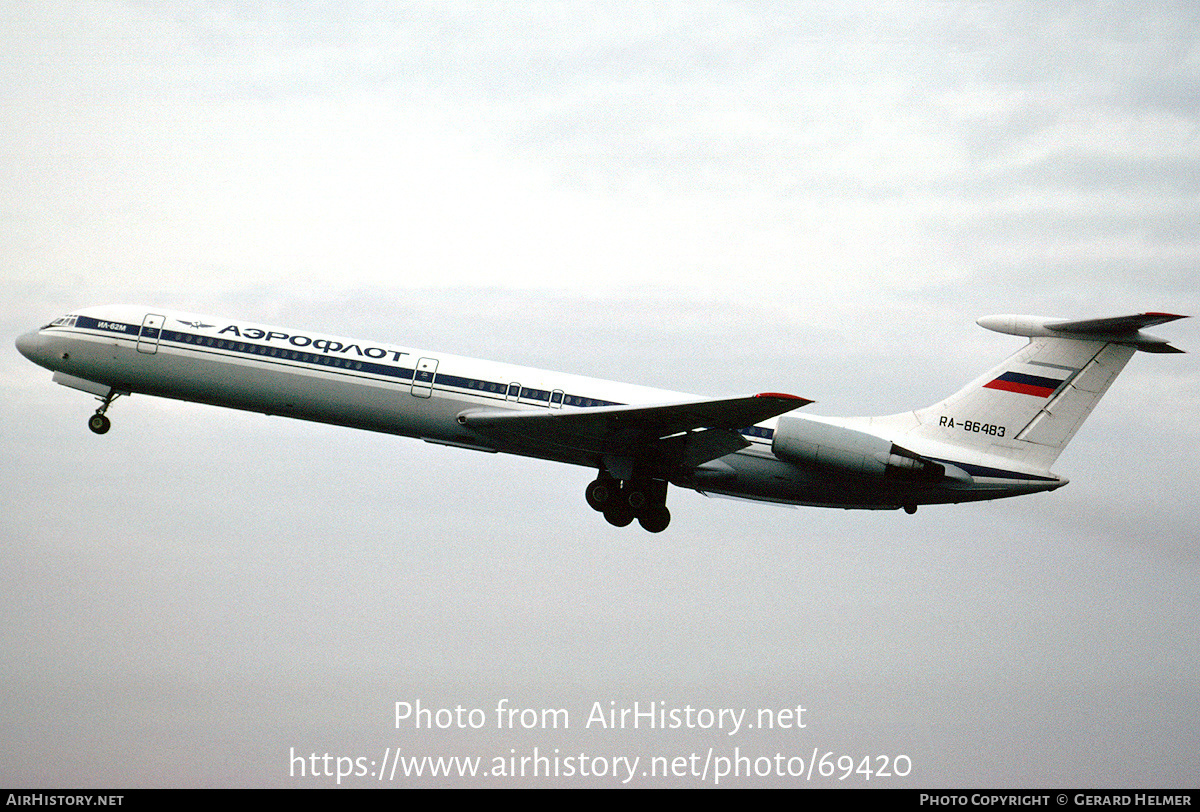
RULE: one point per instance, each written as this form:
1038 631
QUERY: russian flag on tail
1025 384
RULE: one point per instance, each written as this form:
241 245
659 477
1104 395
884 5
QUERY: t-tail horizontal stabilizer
1113 330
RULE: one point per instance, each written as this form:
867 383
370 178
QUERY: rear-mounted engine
833 448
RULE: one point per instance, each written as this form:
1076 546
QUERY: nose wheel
99 422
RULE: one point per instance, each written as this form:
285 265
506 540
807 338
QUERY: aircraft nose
32 345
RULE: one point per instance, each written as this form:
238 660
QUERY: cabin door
423 375
149 334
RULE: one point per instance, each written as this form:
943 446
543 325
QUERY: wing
688 433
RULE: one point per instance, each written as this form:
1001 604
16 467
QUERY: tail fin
1029 407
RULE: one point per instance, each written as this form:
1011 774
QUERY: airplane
996 437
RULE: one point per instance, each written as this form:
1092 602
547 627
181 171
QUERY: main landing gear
622 502
99 422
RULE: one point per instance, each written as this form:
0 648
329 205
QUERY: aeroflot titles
324 345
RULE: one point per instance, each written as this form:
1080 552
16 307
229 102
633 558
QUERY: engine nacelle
819 445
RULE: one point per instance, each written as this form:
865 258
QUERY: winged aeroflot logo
195 325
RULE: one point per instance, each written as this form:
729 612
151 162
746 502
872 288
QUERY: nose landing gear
99 422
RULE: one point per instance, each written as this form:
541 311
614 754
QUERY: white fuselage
420 393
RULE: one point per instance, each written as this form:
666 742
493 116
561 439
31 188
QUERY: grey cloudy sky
716 197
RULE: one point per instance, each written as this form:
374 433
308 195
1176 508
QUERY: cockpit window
63 321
